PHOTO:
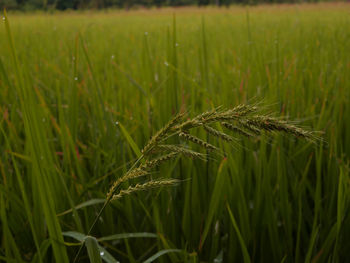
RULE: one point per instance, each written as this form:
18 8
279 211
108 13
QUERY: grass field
75 87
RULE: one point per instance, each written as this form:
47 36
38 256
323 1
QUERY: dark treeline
99 4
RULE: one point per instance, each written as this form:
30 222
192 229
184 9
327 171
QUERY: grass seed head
273 124
180 150
161 134
217 133
196 140
145 187
135 173
157 161
236 129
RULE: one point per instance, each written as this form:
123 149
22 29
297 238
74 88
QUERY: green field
82 92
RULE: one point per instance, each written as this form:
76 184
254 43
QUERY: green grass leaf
245 253
161 253
84 204
131 142
128 235
93 249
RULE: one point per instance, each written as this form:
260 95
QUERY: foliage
79 91
99 4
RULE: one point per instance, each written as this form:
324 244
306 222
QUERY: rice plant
242 119
81 92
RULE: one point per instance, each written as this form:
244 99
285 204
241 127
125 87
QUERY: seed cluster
144 187
218 134
196 140
242 120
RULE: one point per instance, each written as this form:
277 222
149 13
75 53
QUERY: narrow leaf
82 205
240 238
128 235
93 250
161 253
132 143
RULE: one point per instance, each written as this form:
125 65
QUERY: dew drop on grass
76 78
166 63
3 18
116 123
102 253
112 57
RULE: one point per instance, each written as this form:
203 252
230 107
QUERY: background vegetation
73 87
28 5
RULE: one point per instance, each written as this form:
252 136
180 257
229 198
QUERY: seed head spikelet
196 140
135 173
157 161
145 187
180 150
207 114
268 123
249 127
217 133
161 133
236 113
236 129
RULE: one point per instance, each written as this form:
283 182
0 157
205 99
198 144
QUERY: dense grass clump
80 92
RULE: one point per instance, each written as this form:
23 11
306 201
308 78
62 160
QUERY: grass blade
245 253
93 250
161 253
128 235
131 142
